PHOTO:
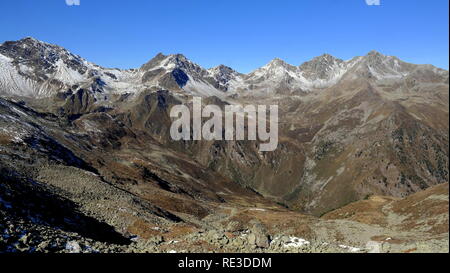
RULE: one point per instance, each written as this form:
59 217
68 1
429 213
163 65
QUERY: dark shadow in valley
33 202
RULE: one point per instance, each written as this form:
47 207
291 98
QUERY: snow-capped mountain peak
171 62
222 70
30 66
171 71
224 78
278 64
275 70
33 68
381 67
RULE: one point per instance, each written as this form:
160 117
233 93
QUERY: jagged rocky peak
222 69
376 54
321 67
275 70
40 56
154 62
178 59
171 71
277 63
170 62
376 58
223 72
382 66
322 61
29 67
221 76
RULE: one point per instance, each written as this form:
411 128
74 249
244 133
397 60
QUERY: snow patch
350 248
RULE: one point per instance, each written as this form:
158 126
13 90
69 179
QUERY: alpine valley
87 163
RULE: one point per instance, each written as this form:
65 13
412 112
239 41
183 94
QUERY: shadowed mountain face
372 125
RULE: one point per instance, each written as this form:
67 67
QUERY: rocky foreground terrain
87 163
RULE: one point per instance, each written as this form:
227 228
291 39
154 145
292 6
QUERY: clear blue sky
243 34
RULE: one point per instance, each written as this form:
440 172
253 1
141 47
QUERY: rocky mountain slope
95 141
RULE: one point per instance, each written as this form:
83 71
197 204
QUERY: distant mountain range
349 131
